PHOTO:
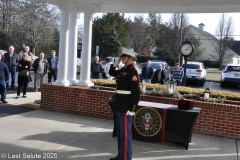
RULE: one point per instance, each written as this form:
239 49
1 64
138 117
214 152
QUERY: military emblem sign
147 121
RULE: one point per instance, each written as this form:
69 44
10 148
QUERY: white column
86 51
63 50
72 53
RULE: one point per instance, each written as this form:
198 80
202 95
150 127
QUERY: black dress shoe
4 101
115 158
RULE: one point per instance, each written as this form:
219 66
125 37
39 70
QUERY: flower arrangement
163 93
199 98
176 94
215 100
186 92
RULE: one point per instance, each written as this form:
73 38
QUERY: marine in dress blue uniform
127 98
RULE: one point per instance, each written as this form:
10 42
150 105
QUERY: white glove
130 113
117 62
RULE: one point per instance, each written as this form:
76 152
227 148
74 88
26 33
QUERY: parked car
79 62
230 75
34 57
104 65
145 63
155 65
195 72
221 68
3 51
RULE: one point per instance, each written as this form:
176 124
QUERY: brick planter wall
215 119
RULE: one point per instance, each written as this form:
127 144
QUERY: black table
158 122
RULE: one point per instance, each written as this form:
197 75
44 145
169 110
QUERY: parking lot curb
26 105
31 105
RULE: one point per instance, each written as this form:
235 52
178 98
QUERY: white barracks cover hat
128 52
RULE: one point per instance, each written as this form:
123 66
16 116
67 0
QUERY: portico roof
147 6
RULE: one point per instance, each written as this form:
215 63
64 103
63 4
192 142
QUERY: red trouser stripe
164 122
125 137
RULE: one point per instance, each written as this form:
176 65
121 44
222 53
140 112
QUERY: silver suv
230 75
195 72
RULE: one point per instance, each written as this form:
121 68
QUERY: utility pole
180 59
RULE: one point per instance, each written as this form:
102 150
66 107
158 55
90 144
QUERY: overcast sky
210 20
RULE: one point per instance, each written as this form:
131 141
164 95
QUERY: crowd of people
147 72
24 61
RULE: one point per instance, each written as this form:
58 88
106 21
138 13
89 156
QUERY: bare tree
39 22
80 33
7 14
224 31
30 22
137 33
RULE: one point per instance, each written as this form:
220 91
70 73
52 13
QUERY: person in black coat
96 68
159 75
23 64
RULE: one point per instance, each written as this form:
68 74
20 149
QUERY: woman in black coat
23 64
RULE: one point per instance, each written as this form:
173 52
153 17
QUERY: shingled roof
212 39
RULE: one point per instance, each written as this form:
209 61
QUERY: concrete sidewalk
43 134
69 137
26 102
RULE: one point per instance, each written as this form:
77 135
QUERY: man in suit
159 75
40 66
52 62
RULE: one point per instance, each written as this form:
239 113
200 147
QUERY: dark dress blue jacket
127 80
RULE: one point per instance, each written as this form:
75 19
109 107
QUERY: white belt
123 92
